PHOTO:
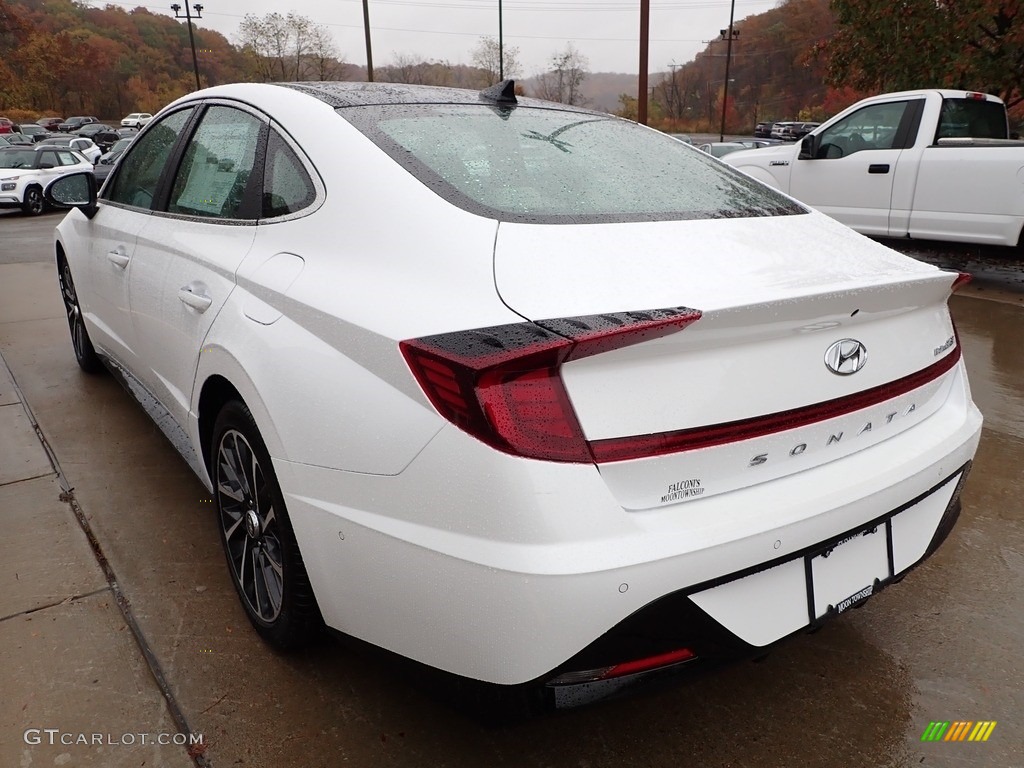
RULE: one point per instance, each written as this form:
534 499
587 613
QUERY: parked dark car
50 123
33 131
799 130
106 162
19 139
74 123
763 130
103 135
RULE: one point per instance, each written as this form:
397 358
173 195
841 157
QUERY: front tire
259 543
85 354
34 204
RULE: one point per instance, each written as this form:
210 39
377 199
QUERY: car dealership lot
944 645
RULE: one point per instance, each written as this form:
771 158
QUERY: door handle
119 259
198 301
878 168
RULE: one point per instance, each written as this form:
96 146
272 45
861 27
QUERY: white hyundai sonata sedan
526 393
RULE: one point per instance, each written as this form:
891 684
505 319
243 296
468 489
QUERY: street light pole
729 35
191 38
501 48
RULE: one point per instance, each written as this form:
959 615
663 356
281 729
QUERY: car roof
346 94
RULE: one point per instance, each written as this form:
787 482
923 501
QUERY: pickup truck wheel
33 205
259 543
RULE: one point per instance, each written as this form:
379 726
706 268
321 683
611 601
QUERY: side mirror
808 147
77 190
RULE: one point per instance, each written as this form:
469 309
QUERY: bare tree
325 63
562 82
288 47
487 57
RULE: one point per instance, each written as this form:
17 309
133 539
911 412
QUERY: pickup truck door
852 173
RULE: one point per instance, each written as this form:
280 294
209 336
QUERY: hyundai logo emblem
845 357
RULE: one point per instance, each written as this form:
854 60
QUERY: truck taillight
503 384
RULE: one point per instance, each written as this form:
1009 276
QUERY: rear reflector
626 668
502 384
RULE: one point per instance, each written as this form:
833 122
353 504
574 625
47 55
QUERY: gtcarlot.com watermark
56 736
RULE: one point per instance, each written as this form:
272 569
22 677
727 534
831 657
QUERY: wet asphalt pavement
945 644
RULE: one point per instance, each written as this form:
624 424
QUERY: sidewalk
77 687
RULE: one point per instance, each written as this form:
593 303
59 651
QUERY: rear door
851 176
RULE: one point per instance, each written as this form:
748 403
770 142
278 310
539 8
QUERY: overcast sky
606 31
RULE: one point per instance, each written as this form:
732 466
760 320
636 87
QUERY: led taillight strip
639 446
503 384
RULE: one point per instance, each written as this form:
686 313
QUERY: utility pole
675 108
191 38
366 29
645 27
728 34
501 48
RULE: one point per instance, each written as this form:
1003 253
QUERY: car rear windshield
537 165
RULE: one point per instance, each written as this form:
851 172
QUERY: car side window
873 127
214 176
67 158
47 160
287 187
142 165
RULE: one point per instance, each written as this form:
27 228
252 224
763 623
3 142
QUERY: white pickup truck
929 164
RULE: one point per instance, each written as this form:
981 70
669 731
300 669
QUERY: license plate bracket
846 572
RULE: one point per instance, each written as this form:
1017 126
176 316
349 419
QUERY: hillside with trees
804 59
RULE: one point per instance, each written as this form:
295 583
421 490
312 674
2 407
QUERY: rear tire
256 533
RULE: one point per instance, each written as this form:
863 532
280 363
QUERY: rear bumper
510 571
755 598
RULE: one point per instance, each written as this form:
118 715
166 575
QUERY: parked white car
25 172
929 164
81 144
466 384
136 119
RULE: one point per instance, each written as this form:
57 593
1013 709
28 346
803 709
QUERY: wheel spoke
267 520
229 532
240 567
257 601
230 492
254 469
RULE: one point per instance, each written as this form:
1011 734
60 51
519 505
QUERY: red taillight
976 96
502 384
961 280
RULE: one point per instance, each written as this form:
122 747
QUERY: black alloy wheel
33 204
263 556
85 354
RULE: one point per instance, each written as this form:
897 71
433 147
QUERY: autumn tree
883 45
562 82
